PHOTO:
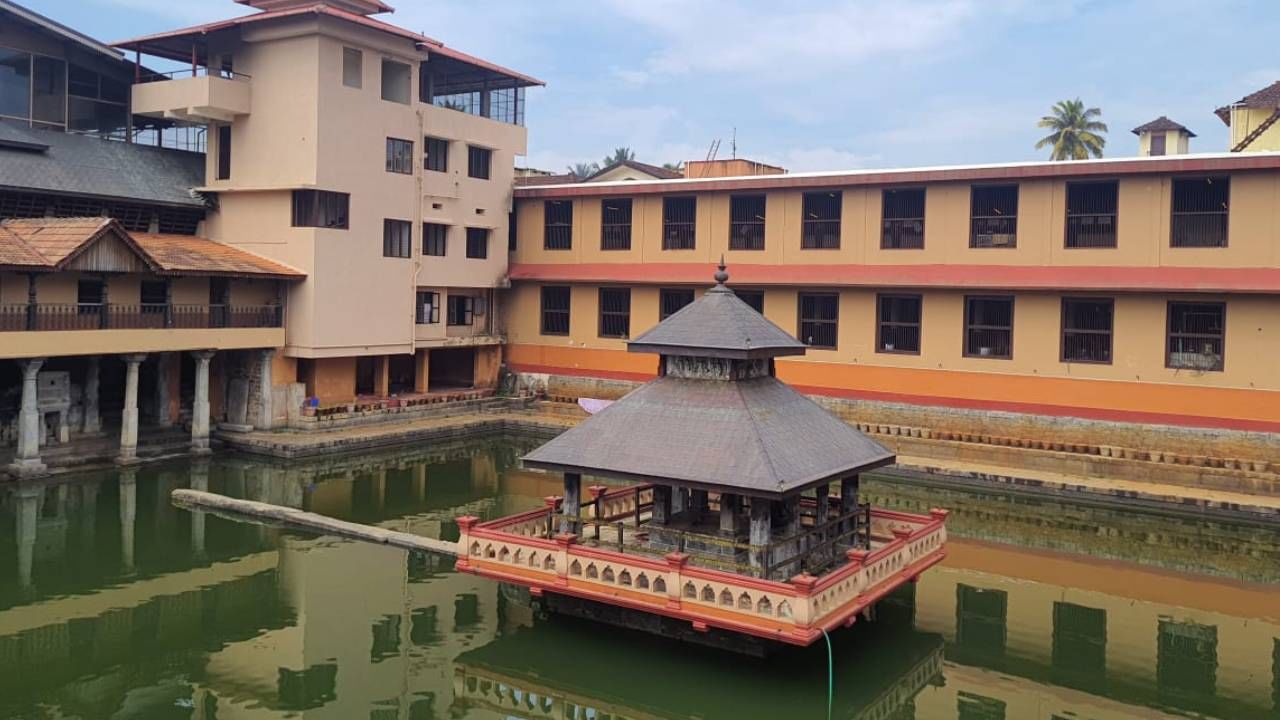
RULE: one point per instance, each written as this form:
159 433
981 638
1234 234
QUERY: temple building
728 507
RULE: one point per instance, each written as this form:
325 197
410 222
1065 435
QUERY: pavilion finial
721 276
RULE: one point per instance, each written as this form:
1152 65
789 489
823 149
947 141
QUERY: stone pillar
823 516
129 416
729 506
382 377
162 391
761 532
199 481
26 462
265 416
572 505
421 370
128 513
92 417
200 404
661 505
26 515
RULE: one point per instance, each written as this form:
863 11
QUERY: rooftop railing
190 72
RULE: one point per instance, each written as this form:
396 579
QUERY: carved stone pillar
26 462
129 416
200 404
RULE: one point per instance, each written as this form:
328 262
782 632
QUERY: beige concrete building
379 162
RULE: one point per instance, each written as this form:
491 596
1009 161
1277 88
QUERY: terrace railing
142 316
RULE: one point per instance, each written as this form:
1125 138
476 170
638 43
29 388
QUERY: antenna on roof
733 145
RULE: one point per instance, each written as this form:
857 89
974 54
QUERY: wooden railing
143 316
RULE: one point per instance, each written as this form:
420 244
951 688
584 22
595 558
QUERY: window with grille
670 300
1079 645
428 310
820 228
819 318
397 238
437 158
1186 659
678 215
558 225
1196 335
615 312
993 216
981 622
477 243
555 310
478 162
898 327
1086 330
615 224
1091 214
746 222
903 219
462 309
400 156
988 327
1200 208
321 209
754 298
435 239
224 152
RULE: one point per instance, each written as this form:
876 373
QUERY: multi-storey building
378 161
1059 300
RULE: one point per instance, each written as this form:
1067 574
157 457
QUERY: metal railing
142 316
151 76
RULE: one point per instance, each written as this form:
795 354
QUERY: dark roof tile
1162 124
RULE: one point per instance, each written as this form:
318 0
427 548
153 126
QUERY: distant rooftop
1162 124
1268 98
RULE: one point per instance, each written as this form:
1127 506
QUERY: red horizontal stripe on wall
1004 277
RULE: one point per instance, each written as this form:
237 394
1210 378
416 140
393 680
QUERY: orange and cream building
1132 298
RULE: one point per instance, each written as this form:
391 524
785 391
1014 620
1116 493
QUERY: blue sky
823 85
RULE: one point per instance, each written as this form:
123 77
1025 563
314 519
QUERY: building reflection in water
124 605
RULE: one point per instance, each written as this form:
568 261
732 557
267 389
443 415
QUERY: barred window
555 310
1091 214
754 298
1087 325
820 229
428 309
819 318
903 219
1200 208
321 209
435 239
615 224
400 156
615 312
988 327
993 216
746 222
477 243
678 216
671 300
437 157
1197 332
479 161
397 238
898 327
558 224
461 310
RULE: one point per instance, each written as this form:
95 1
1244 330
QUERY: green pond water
115 604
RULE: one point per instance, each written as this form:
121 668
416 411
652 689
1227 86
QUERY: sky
833 85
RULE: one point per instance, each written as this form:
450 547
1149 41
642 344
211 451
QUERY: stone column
729 505
128 513
26 515
823 516
26 462
572 505
200 404
265 416
761 532
382 377
199 481
162 390
92 418
661 505
129 416
421 370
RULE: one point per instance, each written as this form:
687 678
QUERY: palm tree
1075 133
583 170
619 155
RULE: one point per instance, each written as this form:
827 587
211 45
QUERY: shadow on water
115 604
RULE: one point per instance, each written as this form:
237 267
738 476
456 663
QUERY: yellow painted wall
1245 121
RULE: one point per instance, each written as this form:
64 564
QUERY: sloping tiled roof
71 164
48 244
19 138
1162 124
62 31
718 324
1268 98
660 173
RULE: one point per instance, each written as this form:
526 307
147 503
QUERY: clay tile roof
16 254
189 255
1162 124
532 180
57 239
1268 98
656 171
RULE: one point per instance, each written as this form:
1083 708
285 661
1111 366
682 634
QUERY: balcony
193 96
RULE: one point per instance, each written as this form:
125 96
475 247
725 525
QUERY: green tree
583 170
675 166
1076 131
619 155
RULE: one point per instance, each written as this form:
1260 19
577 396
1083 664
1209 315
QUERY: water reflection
113 603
